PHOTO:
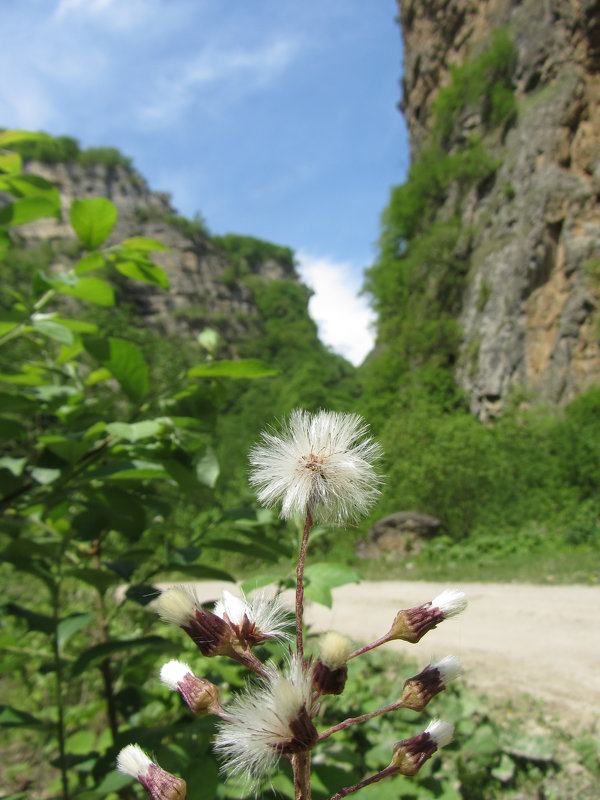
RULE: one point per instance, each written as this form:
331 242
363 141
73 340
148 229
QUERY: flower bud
330 670
410 754
421 688
412 624
159 785
201 695
180 606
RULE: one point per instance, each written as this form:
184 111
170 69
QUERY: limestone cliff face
203 292
530 311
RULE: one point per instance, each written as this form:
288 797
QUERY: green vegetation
65 149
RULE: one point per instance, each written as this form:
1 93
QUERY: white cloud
344 319
242 69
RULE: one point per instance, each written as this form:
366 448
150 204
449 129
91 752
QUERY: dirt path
514 640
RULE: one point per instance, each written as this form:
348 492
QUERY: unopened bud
180 606
421 688
201 695
410 754
412 624
330 670
159 784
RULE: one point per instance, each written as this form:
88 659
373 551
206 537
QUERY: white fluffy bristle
441 732
133 761
173 672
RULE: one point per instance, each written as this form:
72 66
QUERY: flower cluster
320 466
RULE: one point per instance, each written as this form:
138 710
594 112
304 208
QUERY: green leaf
129 471
16 402
96 654
71 625
70 448
14 465
241 368
197 571
207 468
17 136
100 579
14 718
143 243
93 219
136 431
125 363
48 327
45 475
332 575
88 263
33 186
93 290
28 209
10 163
35 621
4 243
144 271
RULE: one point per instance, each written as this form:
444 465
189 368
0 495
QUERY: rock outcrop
529 314
202 289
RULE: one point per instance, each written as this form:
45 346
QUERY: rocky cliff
205 287
529 311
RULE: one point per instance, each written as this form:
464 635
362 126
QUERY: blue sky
269 118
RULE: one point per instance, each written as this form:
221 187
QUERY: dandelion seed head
321 461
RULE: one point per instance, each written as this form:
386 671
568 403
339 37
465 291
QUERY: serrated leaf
93 219
332 575
125 363
248 368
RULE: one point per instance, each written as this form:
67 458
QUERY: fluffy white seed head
173 672
450 602
321 461
133 761
441 732
334 649
449 668
178 604
257 725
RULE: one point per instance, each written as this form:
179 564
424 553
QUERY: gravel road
513 639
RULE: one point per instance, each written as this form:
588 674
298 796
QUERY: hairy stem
300 586
367 782
372 646
347 723
301 768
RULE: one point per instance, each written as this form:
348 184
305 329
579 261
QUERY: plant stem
60 725
347 723
372 646
105 666
300 587
301 767
367 782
